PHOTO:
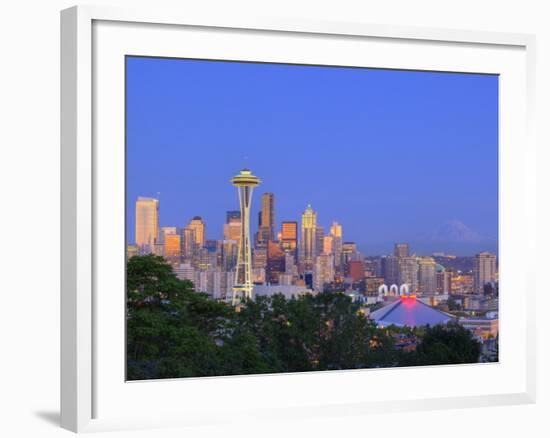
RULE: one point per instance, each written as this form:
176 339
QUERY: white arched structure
394 290
382 291
404 289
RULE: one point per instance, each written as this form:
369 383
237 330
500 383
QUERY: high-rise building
232 215
268 215
323 271
408 272
229 254
275 262
401 250
198 225
147 224
357 270
426 275
319 239
308 239
443 279
172 247
328 244
245 183
349 252
289 236
389 269
165 231
485 270
336 233
232 229
188 244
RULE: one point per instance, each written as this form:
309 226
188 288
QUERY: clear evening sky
391 155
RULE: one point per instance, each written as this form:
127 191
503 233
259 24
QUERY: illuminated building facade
485 270
147 224
198 225
308 239
289 237
337 236
426 275
401 250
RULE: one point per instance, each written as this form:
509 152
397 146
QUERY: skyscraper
401 250
323 271
337 236
268 215
328 244
232 215
349 253
427 275
147 224
245 183
188 244
289 237
485 270
275 262
308 239
232 229
198 225
172 247
443 279
389 269
319 237
408 272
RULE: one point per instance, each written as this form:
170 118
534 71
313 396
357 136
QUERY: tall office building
242 288
389 269
232 229
165 231
230 250
289 237
268 215
147 224
232 215
337 242
308 239
401 250
443 279
323 271
349 253
319 240
188 244
427 275
408 272
485 270
172 247
198 225
328 244
275 262
357 270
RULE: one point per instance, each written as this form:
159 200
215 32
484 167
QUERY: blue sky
389 154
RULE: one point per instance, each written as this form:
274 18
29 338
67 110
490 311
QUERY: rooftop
410 312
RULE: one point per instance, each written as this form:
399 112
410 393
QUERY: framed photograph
266 217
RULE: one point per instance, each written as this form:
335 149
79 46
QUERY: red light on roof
408 297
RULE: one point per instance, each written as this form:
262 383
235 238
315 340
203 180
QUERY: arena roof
410 312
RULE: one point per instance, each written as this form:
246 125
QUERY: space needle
245 183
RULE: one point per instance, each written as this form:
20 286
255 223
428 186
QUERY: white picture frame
85 371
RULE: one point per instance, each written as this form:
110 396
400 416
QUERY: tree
444 344
172 331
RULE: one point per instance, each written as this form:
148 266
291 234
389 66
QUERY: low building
481 327
289 291
408 311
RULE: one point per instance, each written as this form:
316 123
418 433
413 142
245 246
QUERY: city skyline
446 146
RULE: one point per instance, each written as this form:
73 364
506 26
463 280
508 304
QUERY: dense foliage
173 331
